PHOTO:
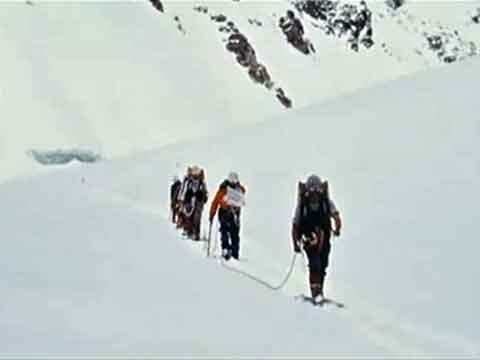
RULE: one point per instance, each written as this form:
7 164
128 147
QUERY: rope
256 278
263 282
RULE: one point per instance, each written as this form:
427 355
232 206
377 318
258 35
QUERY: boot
317 291
316 286
226 254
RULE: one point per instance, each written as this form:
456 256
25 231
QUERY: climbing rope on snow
260 281
256 278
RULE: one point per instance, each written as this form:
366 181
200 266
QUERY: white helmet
233 177
196 170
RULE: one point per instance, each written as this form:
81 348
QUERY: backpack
323 220
175 191
195 188
234 195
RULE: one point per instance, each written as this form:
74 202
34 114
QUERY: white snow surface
91 264
119 77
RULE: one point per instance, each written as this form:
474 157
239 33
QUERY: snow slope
95 276
103 272
119 77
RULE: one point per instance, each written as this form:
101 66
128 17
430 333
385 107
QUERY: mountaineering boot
226 254
234 251
319 298
316 289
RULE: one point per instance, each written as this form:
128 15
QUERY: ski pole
209 237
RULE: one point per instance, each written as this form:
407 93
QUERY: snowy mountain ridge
131 78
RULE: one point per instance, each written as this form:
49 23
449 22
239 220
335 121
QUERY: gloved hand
296 247
296 238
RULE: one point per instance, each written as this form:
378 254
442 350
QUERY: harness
194 192
313 217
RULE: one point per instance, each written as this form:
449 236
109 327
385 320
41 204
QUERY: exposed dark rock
435 42
255 22
260 75
224 29
238 44
284 100
179 25
319 10
450 59
201 9
228 28
395 4
476 17
293 30
341 19
219 18
449 46
157 4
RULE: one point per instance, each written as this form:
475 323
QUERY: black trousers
230 231
318 260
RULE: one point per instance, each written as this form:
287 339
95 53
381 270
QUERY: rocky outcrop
341 20
476 17
394 4
157 4
201 9
180 27
245 55
284 100
256 22
238 44
449 46
293 30
218 18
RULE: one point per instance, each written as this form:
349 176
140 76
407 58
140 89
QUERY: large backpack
196 188
324 211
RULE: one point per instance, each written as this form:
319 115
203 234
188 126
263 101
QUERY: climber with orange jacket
229 200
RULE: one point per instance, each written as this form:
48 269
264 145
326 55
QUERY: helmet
314 183
233 178
196 171
290 14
